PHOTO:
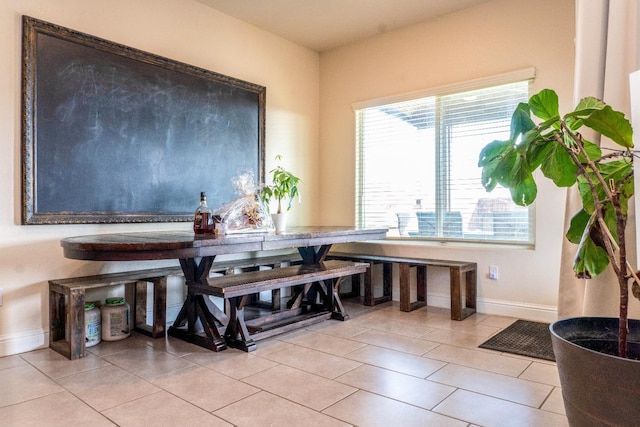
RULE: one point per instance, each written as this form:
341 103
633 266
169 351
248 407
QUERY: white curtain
607 43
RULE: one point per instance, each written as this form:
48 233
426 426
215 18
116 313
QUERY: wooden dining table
196 254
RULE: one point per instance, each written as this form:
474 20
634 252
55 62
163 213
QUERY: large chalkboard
114 134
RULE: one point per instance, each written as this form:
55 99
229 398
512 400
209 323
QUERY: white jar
115 319
91 324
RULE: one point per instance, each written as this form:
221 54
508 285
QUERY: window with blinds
417 163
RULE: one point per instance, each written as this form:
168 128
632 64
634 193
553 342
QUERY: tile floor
382 367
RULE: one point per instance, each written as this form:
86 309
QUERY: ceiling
321 25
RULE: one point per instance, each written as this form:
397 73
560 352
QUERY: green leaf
521 121
544 104
587 105
611 124
525 192
579 222
492 161
593 151
625 193
586 196
590 260
521 184
559 167
538 148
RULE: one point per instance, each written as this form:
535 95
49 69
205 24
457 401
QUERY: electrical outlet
493 272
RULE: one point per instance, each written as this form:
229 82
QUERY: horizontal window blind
417 165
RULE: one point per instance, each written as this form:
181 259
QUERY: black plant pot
599 388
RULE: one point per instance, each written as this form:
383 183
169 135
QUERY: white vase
280 221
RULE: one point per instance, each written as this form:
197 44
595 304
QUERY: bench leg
66 330
458 312
237 334
157 329
405 288
421 279
337 309
367 278
387 284
472 285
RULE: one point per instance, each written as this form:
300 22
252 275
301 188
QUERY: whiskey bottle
203 219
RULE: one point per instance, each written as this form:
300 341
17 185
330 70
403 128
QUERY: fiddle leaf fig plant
604 179
284 187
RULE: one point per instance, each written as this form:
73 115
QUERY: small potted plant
597 357
284 187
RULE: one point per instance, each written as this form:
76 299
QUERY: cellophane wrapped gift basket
247 213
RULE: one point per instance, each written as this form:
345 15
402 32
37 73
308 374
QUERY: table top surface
152 245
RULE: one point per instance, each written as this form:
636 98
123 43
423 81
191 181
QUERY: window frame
523 75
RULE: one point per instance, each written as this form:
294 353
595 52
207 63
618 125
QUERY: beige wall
493 38
181 30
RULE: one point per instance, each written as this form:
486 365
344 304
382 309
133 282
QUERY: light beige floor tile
368 409
105 348
107 387
147 362
470 327
326 343
56 365
439 311
176 346
404 388
339 329
479 359
555 403
398 361
496 385
162 409
55 410
11 362
478 329
498 321
232 363
418 317
396 342
488 411
542 373
24 382
270 410
454 338
313 361
301 387
205 388
521 357
403 328
270 345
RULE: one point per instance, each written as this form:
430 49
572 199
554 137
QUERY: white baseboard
520 310
38 339
23 342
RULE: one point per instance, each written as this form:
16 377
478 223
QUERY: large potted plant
283 188
596 357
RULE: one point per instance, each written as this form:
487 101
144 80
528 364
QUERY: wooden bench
67 298
254 264
456 271
324 278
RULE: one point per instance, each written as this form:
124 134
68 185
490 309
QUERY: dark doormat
525 338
